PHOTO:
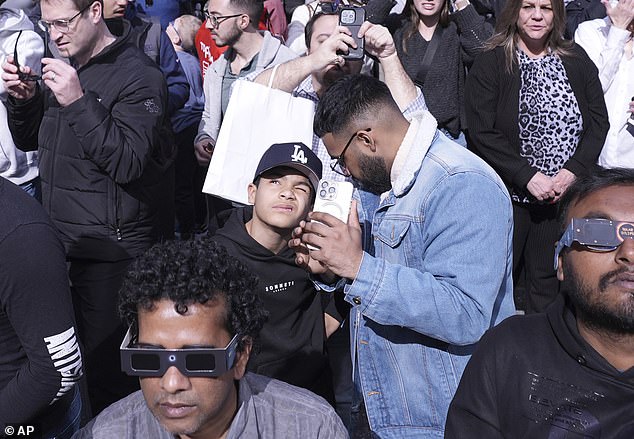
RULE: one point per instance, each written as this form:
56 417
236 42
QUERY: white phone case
334 197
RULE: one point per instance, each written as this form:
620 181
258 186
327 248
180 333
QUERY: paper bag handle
270 84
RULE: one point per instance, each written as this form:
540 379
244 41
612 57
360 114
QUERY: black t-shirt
40 360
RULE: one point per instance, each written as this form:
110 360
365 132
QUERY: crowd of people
482 286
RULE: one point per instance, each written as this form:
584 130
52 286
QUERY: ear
173 36
96 12
252 189
367 140
244 20
560 268
242 358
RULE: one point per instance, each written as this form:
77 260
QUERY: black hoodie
292 341
536 377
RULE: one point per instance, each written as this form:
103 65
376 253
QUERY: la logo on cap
298 155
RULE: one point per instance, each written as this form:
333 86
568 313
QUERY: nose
537 13
287 193
174 381
625 252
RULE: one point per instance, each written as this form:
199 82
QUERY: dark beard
616 319
375 177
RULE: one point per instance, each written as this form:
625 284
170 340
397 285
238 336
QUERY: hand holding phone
353 18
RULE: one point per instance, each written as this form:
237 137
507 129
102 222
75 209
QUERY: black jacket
102 158
535 377
292 341
492 107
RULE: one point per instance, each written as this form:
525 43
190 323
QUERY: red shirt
206 47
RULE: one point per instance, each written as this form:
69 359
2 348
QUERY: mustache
169 399
608 278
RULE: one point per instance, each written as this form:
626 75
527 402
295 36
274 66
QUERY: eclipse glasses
595 234
191 362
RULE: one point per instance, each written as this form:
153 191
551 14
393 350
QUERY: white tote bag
257 117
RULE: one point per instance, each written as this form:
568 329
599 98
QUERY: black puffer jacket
102 158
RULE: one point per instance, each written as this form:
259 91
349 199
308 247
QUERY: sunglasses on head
24 77
191 362
595 234
329 7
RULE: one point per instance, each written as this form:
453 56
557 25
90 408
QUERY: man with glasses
234 24
193 317
425 259
567 372
100 123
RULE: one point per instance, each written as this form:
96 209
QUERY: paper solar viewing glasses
595 234
192 362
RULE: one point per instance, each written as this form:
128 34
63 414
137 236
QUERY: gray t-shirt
267 408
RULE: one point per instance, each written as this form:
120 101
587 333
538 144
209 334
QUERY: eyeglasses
595 234
193 362
216 20
338 164
61 25
25 77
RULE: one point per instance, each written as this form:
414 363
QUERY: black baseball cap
294 155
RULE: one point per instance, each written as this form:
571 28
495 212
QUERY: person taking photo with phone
425 279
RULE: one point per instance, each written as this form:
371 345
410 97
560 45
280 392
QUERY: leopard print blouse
550 121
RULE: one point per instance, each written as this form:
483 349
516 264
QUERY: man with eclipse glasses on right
567 372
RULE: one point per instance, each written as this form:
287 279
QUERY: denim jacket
436 274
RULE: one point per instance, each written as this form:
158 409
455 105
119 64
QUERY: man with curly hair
193 317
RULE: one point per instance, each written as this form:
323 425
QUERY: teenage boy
292 341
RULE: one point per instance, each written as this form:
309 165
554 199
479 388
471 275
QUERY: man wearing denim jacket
425 257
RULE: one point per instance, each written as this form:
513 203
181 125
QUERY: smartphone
335 198
353 18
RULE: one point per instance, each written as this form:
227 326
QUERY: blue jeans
62 423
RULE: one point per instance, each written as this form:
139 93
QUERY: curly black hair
194 271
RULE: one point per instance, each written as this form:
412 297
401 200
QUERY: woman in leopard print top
536 114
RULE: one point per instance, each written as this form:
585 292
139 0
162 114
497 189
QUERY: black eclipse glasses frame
191 362
24 77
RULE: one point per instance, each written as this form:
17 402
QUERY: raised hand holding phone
353 18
